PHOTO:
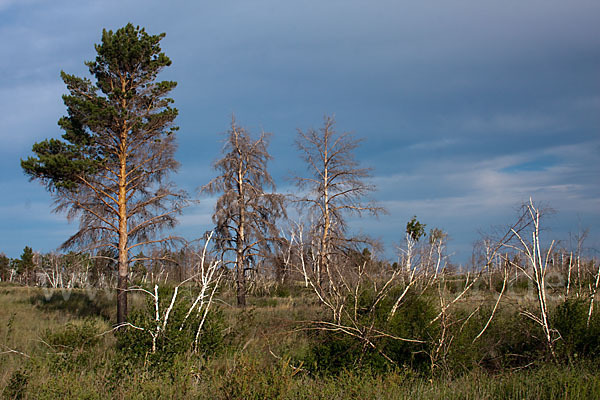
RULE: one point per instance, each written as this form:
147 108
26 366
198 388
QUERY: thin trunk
324 256
578 274
569 275
593 297
240 261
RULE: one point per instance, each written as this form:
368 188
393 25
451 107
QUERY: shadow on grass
78 304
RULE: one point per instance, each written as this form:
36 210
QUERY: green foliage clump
521 284
247 377
4 267
415 229
334 353
509 341
70 345
290 289
74 335
282 291
412 320
264 302
455 284
337 352
17 385
579 340
178 338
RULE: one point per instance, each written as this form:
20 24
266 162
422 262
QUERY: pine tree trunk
122 283
241 285
121 298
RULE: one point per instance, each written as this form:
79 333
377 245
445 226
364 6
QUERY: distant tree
245 214
111 167
4 267
335 188
437 235
26 265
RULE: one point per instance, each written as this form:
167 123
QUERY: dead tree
334 188
538 262
245 214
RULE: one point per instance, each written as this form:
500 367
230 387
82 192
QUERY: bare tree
245 214
538 261
111 169
334 188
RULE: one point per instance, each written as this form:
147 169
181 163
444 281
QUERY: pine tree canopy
124 98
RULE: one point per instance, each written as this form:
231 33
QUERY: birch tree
536 269
110 169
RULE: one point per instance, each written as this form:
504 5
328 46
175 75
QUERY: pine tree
110 168
4 267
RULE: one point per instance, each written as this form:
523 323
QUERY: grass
67 353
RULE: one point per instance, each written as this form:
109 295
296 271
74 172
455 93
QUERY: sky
467 108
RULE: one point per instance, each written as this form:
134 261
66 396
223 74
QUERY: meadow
58 343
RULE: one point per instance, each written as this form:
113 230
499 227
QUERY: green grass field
56 346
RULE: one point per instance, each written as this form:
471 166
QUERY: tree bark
241 240
122 283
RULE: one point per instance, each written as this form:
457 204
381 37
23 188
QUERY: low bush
579 340
17 385
335 352
509 341
70 346
178 337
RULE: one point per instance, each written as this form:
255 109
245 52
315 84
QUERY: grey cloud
452 97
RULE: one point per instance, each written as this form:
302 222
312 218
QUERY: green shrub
412 321
242 328
263 302
521 284
509 341
334 353
248 378
282 291
71 345
17 385
578 339
135 345
74 336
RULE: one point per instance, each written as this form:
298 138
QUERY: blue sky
467 107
